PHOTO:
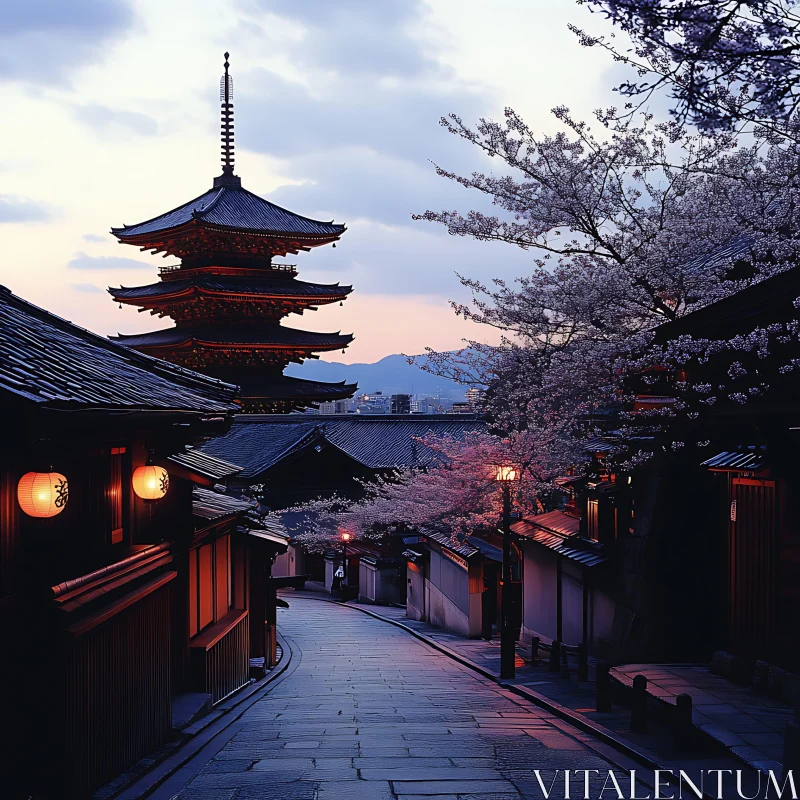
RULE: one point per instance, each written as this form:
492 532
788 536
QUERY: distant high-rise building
476 398
461 407
401 404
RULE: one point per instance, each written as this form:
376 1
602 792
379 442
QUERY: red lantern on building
42 494
150 482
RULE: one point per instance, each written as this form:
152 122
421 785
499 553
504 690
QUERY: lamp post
345 540
505 476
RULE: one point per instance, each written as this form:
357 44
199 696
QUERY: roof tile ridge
164 214
294 213
209 205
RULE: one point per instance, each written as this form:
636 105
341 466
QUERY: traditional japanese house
93 517
296 458
231 605
565 594
746 523
697 550
453 583
227 296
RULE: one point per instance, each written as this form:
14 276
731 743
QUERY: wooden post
602 687
564 663
559 608
583 662
639 704
555 657
682 732
583 651
535 641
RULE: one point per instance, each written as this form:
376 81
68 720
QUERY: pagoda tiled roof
260 442
266 287
237 209
257 336
49 361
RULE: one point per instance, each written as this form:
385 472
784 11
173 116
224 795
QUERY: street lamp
345 540
505 475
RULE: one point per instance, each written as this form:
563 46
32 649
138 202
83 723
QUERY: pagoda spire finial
226 103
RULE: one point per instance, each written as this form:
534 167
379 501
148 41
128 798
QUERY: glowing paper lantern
42 494
150 483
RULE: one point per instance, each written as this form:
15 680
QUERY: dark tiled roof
207 504
48 360
262 334
267 287
559 532
204 464
235 208
747 459
260 442
447 541
283 386
554 521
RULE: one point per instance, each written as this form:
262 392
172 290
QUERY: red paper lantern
42 494
150 483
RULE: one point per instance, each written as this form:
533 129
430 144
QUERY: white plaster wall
415 586
539 593
444 613
330 568
366 581
281 567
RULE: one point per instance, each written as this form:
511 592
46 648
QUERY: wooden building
125 579
455 583
227 296
698 549
296 458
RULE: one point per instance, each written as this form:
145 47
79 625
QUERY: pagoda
228 297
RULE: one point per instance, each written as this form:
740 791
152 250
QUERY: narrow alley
366 712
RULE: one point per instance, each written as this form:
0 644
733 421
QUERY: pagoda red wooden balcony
175 272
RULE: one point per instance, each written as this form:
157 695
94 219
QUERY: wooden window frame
196 585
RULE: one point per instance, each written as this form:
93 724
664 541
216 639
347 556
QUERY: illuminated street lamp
505 475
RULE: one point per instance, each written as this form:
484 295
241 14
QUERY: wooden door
752 560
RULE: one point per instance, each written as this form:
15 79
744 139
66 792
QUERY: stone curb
191 738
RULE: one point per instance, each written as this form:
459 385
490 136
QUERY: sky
112 110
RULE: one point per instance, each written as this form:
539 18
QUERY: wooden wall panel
116 694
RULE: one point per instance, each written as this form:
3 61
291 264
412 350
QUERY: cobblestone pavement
367 712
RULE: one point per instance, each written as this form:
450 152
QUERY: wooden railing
221 656
110 676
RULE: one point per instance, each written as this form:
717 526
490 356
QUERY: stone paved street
367 712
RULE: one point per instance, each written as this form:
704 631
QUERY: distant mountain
390 375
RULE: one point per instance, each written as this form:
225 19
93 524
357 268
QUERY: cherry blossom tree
724 63
457 496
627 232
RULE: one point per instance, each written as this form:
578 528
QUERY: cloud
93 237
104 118
19 209
83 261
400 120
358 36
88 288
359 184
419 260
43 40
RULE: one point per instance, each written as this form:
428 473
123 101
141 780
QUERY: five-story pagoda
227 297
